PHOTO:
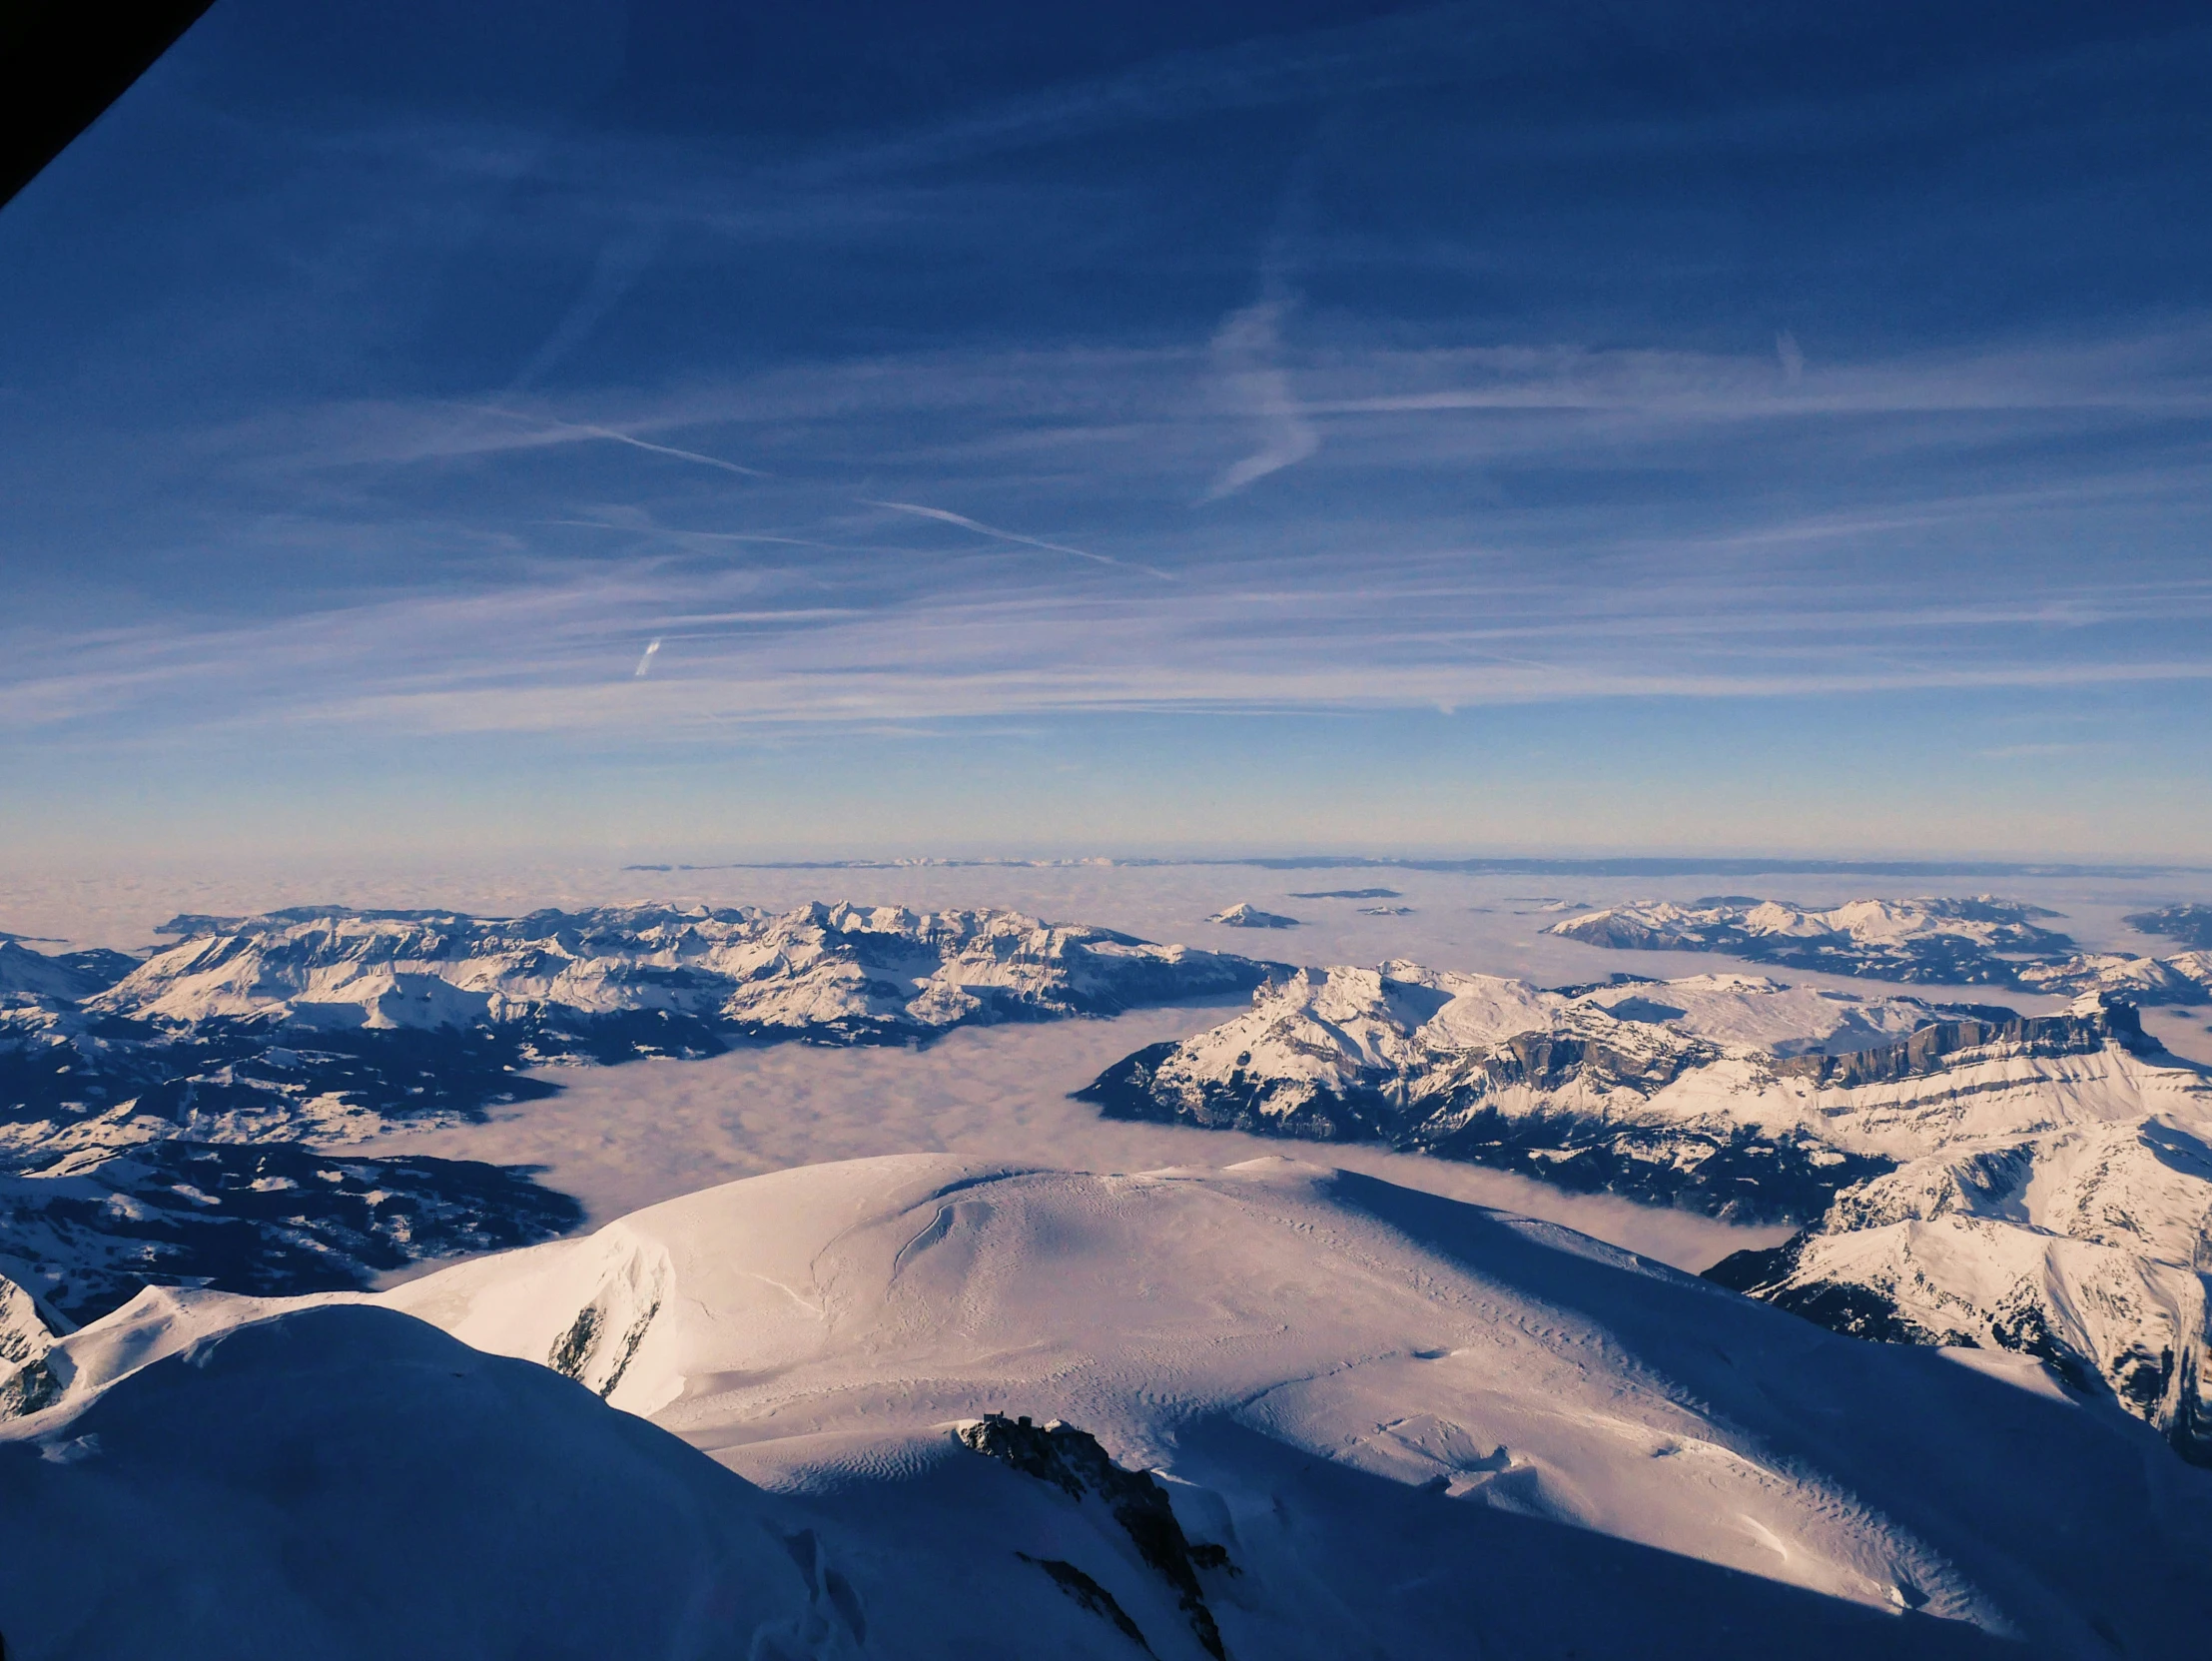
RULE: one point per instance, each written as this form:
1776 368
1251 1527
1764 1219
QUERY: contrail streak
645 663
608 432
965 523
585 429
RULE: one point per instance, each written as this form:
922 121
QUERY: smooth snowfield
1416 1427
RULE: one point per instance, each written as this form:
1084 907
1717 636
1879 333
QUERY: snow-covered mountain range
837 974
1966 1175
1983 941
1299 1413
172 1118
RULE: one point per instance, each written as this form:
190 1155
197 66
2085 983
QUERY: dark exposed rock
28 1390
263 1068
1757 1266
2021 1326
1089 1595
1732 1172
1125 1091
1073 1461
2191 1430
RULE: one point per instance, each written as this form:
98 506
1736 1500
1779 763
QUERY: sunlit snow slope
1389 1424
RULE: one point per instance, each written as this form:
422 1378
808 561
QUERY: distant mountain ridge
2191 925
1972 941
822 973
140 1102
1982 941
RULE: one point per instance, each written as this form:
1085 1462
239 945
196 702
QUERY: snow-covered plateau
1274 1410
1966 1175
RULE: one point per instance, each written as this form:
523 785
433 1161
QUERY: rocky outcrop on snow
1965 1174
29 1329
1073 1461
1982 941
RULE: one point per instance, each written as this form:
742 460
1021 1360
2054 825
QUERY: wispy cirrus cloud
795 598
1247 355
1429 632
1484 362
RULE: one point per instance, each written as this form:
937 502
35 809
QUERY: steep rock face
1968 1176
1982 941
1931 1048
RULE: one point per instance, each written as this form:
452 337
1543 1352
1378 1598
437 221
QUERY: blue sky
1195 427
